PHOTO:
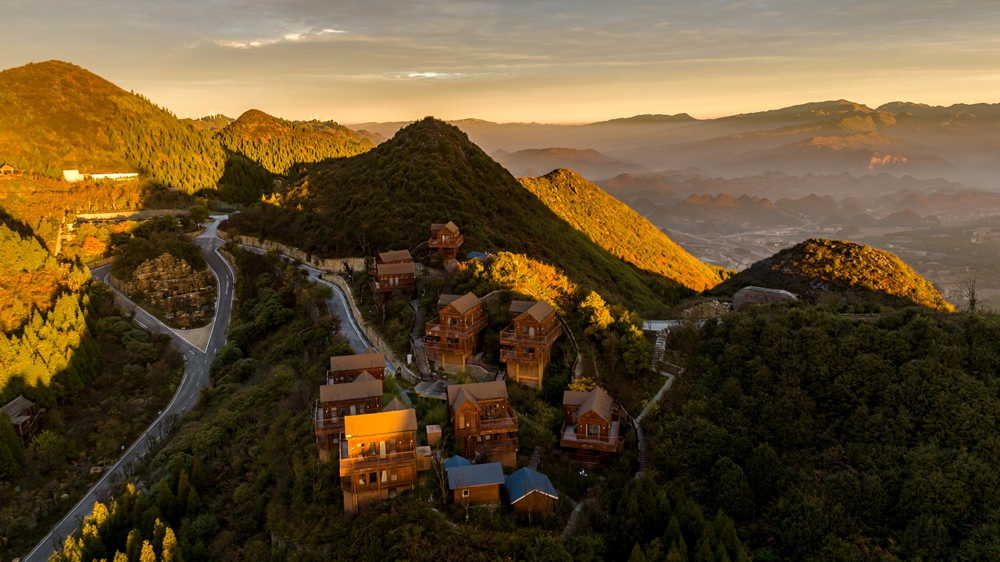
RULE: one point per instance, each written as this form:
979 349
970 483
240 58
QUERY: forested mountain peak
856 272
56 115
431 172
279 145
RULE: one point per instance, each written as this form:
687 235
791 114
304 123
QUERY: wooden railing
372 461
511 337
436 329
498 423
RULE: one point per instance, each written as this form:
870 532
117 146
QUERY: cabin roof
17 406
539 311
460 393
489 474
526 481
435 227
456 461
395 255
365 376
445 300
367 360
520 307
393 406
594 401
381 423
350 391
396 268
464 303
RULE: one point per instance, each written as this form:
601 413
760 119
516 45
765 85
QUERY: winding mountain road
198 350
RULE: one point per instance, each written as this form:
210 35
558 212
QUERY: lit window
465 493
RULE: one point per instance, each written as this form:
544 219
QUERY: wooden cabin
389 258
485 425
476 484
347 368
336 402
591 429
531 492
445 241
378 457
23 414
7 170
391 277
526 345
455 334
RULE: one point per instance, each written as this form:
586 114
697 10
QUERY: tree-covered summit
431 172
55 115
854 272
278 145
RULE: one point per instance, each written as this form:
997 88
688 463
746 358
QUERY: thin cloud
288 37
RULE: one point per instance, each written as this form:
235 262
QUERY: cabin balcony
510 337
509 424
377 461
497 445
613 442
407 285
452 242
435 329
405 478
326 425
515 355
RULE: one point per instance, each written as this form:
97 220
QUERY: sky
557 61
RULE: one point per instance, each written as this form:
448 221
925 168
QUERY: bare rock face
172 286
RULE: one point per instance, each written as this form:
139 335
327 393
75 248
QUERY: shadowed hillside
55 115
279 145
431 172
856 272
618 229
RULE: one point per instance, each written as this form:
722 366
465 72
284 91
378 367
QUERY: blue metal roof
475 475
456 461
525 481
478 256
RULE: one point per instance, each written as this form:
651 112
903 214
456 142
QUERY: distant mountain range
588 163
959 143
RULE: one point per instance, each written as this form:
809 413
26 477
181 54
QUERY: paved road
337 307
197 362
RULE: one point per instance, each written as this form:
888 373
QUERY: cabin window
361 480
465 493
453 322
489 437
392 446
529 350
372 449
594 430
394 474
461 421
373 478
343 411
354 409
385 476
350 379
361 449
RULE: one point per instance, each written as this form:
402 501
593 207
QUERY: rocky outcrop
171 285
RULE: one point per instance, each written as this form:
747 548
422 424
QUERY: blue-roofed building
476 484
530 491
456 461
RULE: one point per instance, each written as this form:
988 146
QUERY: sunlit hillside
618 229
854 272
55 115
